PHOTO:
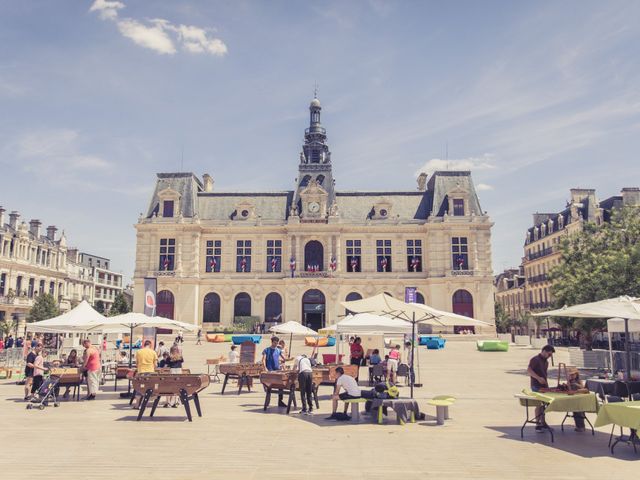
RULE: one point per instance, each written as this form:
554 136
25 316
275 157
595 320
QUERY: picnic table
623 414
557 402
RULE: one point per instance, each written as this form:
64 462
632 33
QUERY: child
164 362
174 362
375 359
385 366
234 357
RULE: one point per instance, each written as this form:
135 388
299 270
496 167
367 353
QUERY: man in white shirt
351 390
234 357
305 380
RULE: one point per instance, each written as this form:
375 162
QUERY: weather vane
315 90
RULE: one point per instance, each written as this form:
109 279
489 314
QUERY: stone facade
33 262
218 255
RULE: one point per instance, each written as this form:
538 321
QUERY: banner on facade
410 294
150 287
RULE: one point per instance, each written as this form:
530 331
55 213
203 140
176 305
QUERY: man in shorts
351 391
28 373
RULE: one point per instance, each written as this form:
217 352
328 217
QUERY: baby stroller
46 393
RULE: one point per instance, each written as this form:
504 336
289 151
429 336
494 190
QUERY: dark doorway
165 302
313 256
242 305
313 309
273 308
211 308
463 303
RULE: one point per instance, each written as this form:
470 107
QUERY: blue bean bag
240 339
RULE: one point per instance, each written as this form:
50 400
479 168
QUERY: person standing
161 350
174 363
271 362
199 337
393 362
146 359
28 373
38 369
234 357
537 371
305 381
9 343
92 367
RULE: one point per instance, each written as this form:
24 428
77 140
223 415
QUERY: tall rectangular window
3 283
383 253
243 256
32 287
41 287
458 207
274 255
19 286
460 253
354 255
167 254
167 208
52 288
213 257
414 255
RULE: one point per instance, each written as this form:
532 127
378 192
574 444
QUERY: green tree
44 307
100 306
599 262
120 305
502 318
7 327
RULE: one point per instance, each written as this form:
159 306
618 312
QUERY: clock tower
314 195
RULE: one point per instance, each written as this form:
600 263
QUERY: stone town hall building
218 255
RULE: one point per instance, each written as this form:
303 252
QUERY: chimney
2 210
208 182
34 227
630 197
51 232
13 219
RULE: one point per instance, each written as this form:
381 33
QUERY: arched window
164 304
211 308
313 308
273 308
320 179
313 256
419 298
462 303
350 298
242 305
305 180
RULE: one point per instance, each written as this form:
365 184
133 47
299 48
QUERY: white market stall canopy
292 328
616 325
369 323
618 307
449 319
79 319
133 320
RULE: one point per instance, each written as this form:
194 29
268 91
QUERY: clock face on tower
313 207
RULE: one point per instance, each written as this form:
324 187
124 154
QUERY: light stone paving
235 439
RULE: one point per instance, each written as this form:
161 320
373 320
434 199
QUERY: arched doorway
242 305
211 308
314 256
420 298
273 308
164 304
350 298
313 308
462 305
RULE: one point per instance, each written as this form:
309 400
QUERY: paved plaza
236 439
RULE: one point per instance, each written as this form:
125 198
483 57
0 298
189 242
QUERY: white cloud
107 9
484 162
154 37
482 187
159 34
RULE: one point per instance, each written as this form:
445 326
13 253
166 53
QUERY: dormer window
458 207
167 208
381 209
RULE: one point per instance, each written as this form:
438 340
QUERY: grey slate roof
355 206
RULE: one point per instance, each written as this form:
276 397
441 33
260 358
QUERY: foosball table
244 372
329 372
68 377
287 381
184 386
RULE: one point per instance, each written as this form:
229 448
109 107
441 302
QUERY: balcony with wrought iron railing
538 278
542 253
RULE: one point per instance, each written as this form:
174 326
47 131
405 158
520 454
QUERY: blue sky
96 97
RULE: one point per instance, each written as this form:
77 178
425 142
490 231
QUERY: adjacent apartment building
33 262
530 289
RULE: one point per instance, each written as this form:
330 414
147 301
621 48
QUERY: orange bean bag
316 342
215 338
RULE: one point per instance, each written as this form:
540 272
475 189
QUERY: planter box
523 340
505 337
539 342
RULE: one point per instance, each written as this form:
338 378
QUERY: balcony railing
458 273
322 274
23 301
542 253
538 278
539 306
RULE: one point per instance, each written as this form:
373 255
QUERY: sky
96 97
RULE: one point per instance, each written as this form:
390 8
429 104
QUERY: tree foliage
597 263
503 322
120 305
44 307
100 306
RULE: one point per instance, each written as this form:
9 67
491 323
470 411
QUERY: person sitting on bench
351 391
